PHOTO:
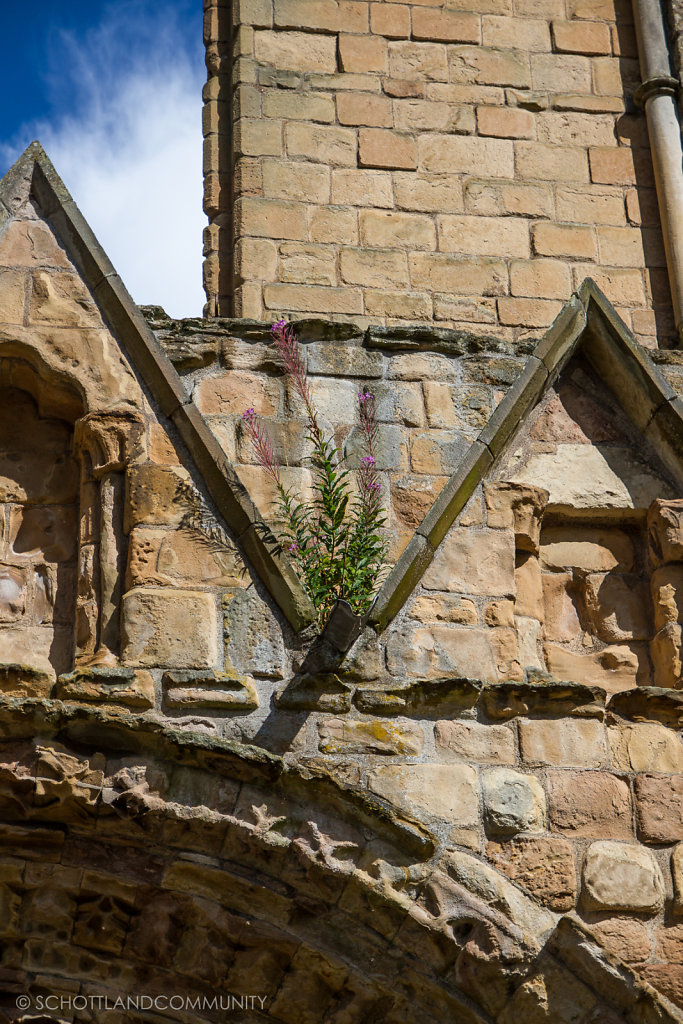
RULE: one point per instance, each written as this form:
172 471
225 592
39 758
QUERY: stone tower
465 804
446 162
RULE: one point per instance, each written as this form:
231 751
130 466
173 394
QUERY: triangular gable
589 323
156 371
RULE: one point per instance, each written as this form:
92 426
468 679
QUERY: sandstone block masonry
449 161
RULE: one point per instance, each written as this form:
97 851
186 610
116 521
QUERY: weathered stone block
425 698
12 296
645 747
379 147
346 736
437 651
616 607
665 529
574 743
169 628
544 866
543 697
666 651
517 507
595 550
154 496
472 741
666 586
322 691
627 940
448 154
252 636
614 668
362 53
296 51
619 876
474 562
441 791
589 804
62 300
529 586
659 808
581 477
217 690
324 144
561 616
107 686
677 873
512 802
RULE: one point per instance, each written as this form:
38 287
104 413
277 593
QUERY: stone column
665 535
104 443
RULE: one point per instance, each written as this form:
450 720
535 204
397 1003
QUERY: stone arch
138 861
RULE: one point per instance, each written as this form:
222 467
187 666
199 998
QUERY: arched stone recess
515 566
141 861
62 495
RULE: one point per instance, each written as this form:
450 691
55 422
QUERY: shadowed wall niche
38 534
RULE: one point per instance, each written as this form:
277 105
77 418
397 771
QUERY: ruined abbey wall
455 163
468 805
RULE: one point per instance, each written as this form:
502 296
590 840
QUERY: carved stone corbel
104 444
109 438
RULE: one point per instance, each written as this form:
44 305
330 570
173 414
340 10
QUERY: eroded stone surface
474 562
472 741
156 626
646 747
590 804
448 791
573 742
659 808
544 866
512 802
344 736
620 876
583 477
429 653
665 528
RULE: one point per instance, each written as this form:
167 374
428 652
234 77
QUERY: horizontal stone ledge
321 691
186 690
445 340
649 704
107 685
544 698
18 680
423 698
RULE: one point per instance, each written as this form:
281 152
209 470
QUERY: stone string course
456 163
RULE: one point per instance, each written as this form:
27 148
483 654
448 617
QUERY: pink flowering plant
337 538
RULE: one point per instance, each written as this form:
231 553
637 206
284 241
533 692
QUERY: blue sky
113 91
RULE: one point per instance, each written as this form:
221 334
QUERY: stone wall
456 163
476 813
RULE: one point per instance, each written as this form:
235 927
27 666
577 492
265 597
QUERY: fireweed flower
263 446
336 539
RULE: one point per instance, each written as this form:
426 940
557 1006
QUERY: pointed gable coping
159 375
588 321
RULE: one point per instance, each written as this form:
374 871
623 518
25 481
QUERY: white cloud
130 147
